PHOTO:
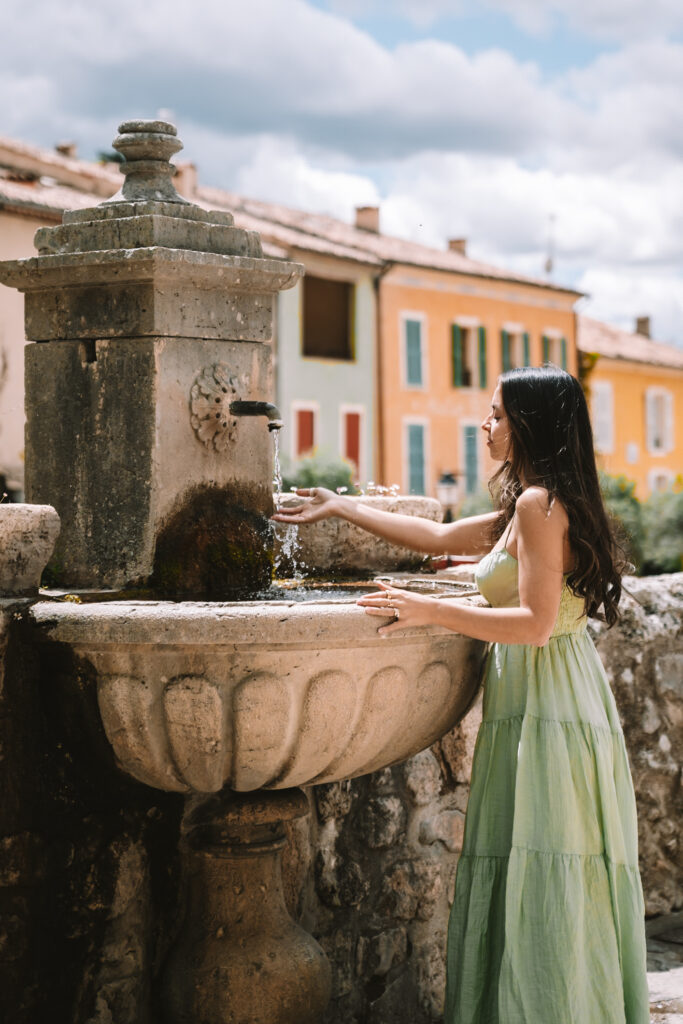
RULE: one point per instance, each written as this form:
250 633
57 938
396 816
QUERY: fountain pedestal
241 959
155 317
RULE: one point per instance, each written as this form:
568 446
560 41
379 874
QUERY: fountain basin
198 696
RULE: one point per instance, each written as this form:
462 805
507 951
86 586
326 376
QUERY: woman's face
497 428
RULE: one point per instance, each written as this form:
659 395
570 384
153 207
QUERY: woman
547 924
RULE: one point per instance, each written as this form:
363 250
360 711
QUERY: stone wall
90 878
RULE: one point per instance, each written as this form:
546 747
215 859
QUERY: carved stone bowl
198 696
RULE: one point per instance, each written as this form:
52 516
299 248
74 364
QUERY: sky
521 125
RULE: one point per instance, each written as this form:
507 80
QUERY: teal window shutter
482 357
471 459
456 349
505 344
546 348
416 458
413 353
563 353
527 355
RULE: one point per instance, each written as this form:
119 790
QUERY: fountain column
152 315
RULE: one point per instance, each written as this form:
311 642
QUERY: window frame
418 421
326 360
297 406
360 410
650 394
602 388
404 317
467 424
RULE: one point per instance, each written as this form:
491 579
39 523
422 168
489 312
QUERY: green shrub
477 504
626 513
319 471
663 547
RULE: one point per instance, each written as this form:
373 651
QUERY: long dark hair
551 445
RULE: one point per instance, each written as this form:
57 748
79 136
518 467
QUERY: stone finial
147 147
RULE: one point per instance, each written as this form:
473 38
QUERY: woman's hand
324 505
408 609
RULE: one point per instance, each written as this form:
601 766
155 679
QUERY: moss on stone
215 545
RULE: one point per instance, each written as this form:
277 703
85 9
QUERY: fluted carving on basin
264 723
130 710
194 720
383 697
331 705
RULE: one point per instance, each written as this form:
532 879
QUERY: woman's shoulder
535 504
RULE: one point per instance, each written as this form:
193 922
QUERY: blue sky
556 47
488 120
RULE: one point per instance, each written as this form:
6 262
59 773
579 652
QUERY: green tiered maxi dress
547 925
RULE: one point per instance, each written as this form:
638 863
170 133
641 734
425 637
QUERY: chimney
458 245
68 149
643 326
367 218
185 179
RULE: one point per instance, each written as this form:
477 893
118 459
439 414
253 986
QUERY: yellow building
635 389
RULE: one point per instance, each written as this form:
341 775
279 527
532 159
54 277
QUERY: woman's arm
540 536
468 536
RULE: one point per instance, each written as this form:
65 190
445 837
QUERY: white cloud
281 100
619 296
613 20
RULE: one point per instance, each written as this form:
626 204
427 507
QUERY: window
506 347
659 417
470 436
514 348
554 349
415 458
602 410
413 354
481 351
659 480
351 436
327 318
468 355
305 432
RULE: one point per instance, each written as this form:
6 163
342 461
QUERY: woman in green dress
547 924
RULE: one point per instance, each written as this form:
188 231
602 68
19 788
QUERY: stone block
446 827
146 292
382 821
423 777
377 954
111 443
333 800
27 538
335 547
411 889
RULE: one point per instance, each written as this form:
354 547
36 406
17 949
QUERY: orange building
635 389
448 327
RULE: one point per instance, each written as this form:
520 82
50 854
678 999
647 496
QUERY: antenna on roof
549 264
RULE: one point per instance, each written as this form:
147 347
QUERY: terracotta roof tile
602 339
79 184
323 233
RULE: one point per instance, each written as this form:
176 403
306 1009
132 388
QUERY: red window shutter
352 438
305 439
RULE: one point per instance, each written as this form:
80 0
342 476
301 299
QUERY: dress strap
506 534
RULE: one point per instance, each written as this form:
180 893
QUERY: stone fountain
152 321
